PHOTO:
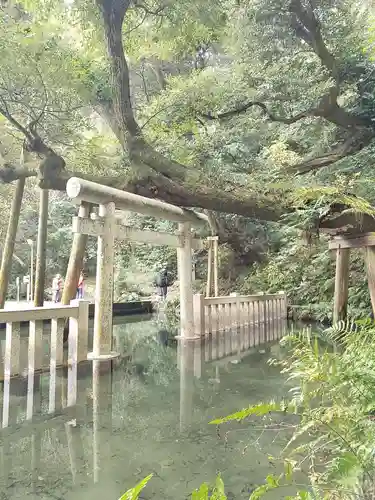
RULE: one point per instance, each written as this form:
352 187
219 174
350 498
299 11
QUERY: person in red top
80 286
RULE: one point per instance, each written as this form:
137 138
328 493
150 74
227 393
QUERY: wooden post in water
212 266
186 383
199 313
209 268
102 345
76 451
341 284
186 284
216 265
101 417
78 330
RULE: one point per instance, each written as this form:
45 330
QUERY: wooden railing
240 312
38 338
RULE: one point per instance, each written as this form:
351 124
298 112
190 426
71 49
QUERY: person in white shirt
57 288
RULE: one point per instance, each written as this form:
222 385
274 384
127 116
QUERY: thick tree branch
352 145
148 11
162 188
10 173
16 124
265 111
308 28
327 108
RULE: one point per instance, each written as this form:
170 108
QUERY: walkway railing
11 362
240 312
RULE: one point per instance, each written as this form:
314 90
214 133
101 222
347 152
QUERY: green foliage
306 272
334 398
133 493
333 403
205 492
259 410
189 59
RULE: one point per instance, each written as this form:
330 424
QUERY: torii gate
107 227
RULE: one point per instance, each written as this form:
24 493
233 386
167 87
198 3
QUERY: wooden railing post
78 330
11 365
35 362
284 305
199 314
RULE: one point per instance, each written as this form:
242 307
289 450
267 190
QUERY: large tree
293 64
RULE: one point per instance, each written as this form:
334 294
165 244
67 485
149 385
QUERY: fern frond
258 410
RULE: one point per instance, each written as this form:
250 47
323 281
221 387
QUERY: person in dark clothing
162 283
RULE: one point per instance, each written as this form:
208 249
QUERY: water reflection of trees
124 414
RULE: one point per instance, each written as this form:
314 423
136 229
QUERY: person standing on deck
81 282
57 284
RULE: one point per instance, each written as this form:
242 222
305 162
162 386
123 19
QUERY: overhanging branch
352 145
265 111
308 28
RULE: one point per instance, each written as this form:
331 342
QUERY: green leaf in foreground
204 493
259 410
133 493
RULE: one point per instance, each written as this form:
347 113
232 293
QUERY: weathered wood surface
40 264
104 283
352 241
240 313
218 318
346 223
370 265
341 284
123 232
185 264
27 313
209 270
82 190
233 299
26 355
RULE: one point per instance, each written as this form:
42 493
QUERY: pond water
147 412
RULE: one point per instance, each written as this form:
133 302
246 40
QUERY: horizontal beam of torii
95 227
83 190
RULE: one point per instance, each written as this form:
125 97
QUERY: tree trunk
8 249
40 270
75 264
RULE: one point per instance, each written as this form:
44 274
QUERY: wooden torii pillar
342 246
107 227
213 262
